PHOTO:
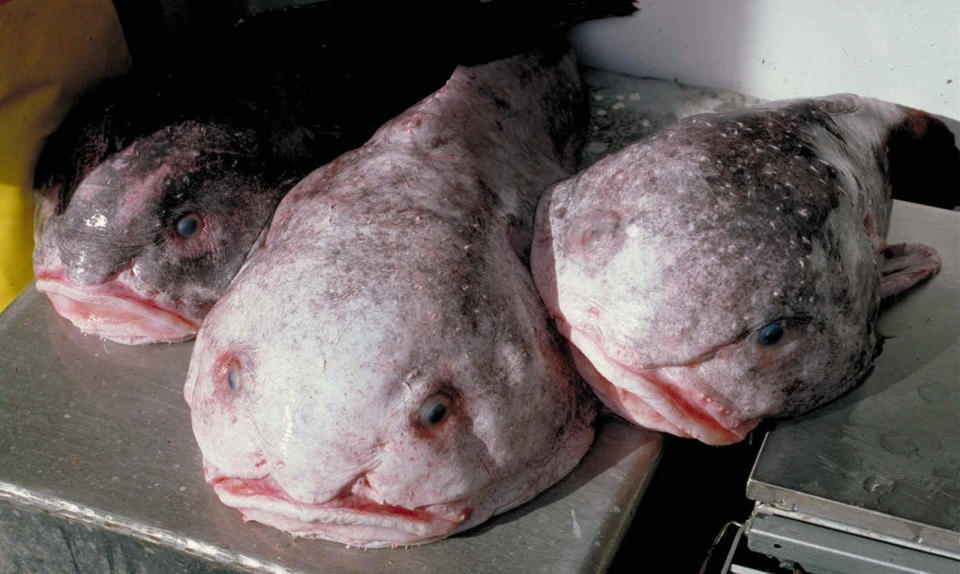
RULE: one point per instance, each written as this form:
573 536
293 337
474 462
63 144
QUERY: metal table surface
883 461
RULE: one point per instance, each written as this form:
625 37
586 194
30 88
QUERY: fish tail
923 160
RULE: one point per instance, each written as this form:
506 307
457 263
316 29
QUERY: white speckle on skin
601 112
618 106
96 221
635 96
66 416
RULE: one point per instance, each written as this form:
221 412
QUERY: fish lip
688 419
113 311
264 500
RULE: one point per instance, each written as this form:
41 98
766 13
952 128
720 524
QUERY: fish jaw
115 312
349 518
657 398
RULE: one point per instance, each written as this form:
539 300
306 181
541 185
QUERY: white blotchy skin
390 281
663 262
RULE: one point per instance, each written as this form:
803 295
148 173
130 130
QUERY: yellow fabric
50 50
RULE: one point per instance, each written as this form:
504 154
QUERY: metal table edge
91 516
807 507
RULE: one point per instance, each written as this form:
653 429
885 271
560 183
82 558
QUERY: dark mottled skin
139 153
392 274
669 256
122 215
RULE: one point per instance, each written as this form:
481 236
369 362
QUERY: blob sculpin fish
382 370
144 218
731 267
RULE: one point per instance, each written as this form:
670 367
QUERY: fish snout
93 262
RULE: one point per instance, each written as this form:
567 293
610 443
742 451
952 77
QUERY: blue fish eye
188 225
769 335
233 377
434 410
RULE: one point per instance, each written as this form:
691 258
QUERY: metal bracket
827 551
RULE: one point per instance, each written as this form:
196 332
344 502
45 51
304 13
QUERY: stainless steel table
872 480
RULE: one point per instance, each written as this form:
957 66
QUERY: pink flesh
114 312
348 517
656 401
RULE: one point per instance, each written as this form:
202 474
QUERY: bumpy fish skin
731 267
140 243
382 371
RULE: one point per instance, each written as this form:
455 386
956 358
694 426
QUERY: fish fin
924 161
903 266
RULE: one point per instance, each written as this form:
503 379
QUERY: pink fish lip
694 414
113 311
264 500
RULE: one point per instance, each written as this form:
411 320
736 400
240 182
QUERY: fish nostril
600 234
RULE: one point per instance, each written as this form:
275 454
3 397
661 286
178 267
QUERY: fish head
705 284
339 393
139 248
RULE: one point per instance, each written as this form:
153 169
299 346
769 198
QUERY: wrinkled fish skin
382 371
143 219
731 267
219 131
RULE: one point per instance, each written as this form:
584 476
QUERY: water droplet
878 485
906 444
931 392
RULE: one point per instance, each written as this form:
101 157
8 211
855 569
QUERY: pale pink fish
382 370
731 267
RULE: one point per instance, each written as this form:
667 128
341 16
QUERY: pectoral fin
903 265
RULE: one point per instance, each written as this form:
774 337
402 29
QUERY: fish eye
233 376
770 335
434 410
188 225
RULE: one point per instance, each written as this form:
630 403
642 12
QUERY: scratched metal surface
884 460
99 432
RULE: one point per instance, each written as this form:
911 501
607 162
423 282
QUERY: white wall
906 51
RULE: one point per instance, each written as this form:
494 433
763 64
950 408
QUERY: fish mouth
652 398
348 518
114 312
